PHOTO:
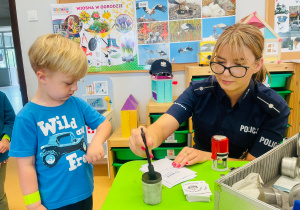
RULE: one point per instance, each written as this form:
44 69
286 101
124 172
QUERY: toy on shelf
106 98
272 52
161 81
129 116
206 47
97 88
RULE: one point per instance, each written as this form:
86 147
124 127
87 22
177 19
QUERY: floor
15 199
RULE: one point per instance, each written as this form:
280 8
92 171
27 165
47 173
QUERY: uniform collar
245 97
247 94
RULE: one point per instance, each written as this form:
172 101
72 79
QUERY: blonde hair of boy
55 53
237 36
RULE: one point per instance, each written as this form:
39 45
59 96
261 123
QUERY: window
272 48
8 41
1 42
7 51
8 66
2 59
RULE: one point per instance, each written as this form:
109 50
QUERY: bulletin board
270 19
214 27
175 67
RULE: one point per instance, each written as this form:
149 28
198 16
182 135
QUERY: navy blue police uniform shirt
255 123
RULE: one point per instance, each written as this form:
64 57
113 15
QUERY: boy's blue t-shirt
56 136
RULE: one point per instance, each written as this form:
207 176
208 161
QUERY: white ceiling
4 9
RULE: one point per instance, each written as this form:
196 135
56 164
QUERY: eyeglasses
235 71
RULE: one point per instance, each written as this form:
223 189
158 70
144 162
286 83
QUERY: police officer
233 103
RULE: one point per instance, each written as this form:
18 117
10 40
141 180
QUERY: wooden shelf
154 107
115 140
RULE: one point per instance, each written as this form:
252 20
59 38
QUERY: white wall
29 31
245 7
137 84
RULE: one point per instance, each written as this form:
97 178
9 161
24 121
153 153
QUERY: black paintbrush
152 175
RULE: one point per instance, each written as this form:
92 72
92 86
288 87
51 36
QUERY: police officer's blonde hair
55 53
237 36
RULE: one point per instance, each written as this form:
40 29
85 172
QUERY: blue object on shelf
296 205
162 90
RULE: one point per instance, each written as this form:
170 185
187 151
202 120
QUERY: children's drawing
124 23
153 33
184 52
218 8
150 53
272 40
185 30
184 9
72 24
287 24
188 48
215 26
154 10
98 28
185 23
97 103
101 88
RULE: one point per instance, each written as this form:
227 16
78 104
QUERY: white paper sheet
285 183
170 176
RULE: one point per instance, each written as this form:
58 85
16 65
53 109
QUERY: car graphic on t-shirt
59 145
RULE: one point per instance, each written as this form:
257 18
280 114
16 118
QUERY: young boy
49 138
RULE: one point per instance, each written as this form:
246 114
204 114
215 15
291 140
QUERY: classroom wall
137 84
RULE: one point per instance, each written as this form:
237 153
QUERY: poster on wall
287 24
173 29
104 30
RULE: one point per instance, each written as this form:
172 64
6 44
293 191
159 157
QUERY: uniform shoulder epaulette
202 87
269 104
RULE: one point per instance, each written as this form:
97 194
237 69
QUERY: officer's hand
190 156
95 152
137 145
4 145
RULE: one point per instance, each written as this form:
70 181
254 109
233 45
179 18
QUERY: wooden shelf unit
292 84
154 107
115 140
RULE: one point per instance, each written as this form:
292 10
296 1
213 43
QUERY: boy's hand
95 152
4 145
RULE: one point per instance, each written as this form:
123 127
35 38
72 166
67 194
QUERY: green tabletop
127 193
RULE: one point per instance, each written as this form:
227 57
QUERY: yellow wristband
5 136
32 198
